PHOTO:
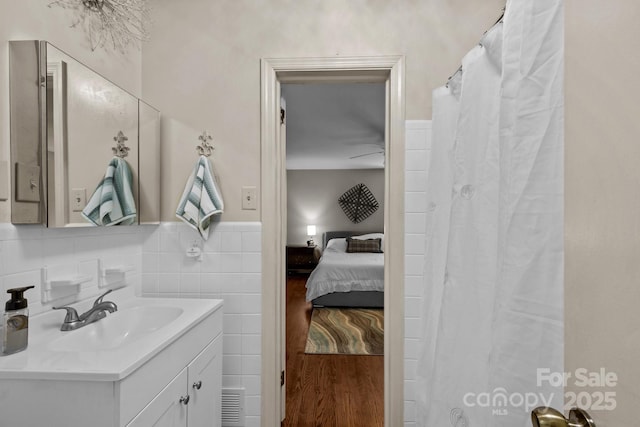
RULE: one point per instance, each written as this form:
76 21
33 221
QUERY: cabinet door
205 387
166 409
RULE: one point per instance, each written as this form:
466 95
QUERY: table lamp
311 231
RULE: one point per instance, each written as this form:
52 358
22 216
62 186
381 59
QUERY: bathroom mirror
66 121
84 113
149 164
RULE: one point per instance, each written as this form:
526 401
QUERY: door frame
388 69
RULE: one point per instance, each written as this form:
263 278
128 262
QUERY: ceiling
335 126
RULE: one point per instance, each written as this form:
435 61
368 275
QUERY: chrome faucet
74 321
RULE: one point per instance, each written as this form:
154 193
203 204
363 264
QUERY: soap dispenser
15 334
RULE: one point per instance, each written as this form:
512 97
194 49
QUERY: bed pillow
337 245
372 236
364 245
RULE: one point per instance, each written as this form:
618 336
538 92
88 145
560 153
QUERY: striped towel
112 203
201 198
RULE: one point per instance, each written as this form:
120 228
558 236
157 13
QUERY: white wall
602 223
312 198
202 68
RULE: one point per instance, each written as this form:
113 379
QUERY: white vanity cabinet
148 382
192 399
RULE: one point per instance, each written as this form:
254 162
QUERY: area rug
346 331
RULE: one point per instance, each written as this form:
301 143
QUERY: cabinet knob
184 400
197 385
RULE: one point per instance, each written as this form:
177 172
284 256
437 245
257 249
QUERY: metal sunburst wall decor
358 203
113 24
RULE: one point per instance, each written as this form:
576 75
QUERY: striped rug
346 331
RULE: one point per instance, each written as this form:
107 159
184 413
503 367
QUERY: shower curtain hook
453 75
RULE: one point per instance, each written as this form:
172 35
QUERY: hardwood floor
328 390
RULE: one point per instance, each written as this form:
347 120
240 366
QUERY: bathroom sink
119 329
113 348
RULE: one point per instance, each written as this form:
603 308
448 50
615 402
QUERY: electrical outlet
78 199
249 198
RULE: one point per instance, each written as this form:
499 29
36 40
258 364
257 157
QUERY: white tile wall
230 269
418 149
25 249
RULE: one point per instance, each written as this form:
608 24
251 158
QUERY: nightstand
302 259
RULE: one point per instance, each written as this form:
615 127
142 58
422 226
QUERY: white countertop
42 360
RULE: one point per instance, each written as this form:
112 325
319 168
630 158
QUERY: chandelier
115 24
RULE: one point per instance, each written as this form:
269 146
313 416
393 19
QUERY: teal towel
112 202
201 198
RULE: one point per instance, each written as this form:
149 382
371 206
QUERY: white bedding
339 271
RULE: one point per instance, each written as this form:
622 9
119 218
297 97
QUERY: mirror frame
27 90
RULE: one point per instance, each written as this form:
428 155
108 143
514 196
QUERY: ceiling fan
367 154
376 148
374 137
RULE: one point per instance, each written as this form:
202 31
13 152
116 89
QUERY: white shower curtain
493 303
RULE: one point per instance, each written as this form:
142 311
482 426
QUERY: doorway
387 70
334 134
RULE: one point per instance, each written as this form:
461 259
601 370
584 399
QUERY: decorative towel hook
205 149
120 150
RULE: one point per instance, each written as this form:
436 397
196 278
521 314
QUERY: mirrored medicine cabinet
67 122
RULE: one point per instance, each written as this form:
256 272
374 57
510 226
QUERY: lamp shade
311 230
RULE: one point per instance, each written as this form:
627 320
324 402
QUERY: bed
344 279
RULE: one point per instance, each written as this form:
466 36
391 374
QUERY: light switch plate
27 183
78 199
249 198
4 180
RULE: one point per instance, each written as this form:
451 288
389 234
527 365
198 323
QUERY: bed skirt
370 299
